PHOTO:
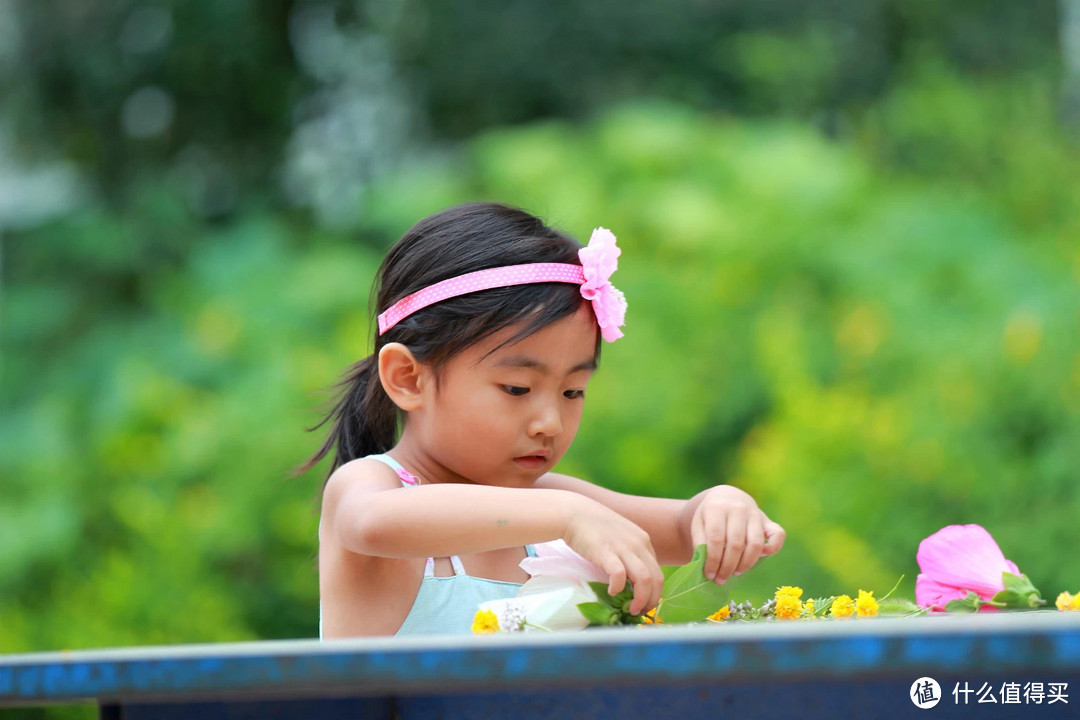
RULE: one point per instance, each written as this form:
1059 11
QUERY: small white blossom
511 617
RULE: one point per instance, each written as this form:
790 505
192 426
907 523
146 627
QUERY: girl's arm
370 514
726 520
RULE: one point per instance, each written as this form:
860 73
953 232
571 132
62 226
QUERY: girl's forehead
566 345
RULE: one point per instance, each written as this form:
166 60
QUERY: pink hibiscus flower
958 559
556 559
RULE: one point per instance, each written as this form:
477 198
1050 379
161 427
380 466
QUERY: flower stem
535 626
886 595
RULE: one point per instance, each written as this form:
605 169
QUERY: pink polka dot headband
599 259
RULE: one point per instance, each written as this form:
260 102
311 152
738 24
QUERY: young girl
489 329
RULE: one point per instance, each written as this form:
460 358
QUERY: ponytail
363 419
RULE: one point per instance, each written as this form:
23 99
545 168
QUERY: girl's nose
547 422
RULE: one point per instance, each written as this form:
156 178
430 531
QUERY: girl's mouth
531 462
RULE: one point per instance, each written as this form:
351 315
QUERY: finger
699 537
715 539
656 577
774 536
644 584
697 532
616 573
755 545
733 548
658 580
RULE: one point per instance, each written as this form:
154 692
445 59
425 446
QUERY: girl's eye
515 390
574 394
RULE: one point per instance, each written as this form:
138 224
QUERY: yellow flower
722 614
649 618
788 607
788 591
842 607
1068 601
808 607
485 621
866 605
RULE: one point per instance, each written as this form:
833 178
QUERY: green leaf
958 606
970 603
1024 594
597 613
622 601
688 595
1007 598
899 606
602 594
1018 593
823 605
619 604
1017 583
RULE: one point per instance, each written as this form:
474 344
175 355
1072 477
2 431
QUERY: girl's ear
402 376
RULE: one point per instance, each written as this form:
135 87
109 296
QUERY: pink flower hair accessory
598 261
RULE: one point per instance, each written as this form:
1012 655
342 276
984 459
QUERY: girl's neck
421 464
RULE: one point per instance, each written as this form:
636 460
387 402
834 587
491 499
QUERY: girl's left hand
734 530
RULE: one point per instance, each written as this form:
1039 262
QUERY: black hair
462 239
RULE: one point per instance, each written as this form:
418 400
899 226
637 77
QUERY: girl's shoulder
363 475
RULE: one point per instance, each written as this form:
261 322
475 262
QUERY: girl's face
505 417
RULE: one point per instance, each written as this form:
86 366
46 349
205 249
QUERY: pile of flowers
561 583
962 569
787 604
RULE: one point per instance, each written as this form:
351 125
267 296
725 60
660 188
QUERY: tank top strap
406 477
455 562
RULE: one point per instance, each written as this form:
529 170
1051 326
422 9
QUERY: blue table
822 669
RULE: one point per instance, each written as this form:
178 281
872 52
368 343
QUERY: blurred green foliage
861 306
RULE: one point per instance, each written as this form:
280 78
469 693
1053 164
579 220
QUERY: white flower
548 603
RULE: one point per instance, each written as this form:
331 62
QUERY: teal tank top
445 605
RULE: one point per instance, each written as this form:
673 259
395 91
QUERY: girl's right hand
620 548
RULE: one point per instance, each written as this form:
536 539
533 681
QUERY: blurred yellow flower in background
1068 601
842 607
788 591
866 605
788 607
788 604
